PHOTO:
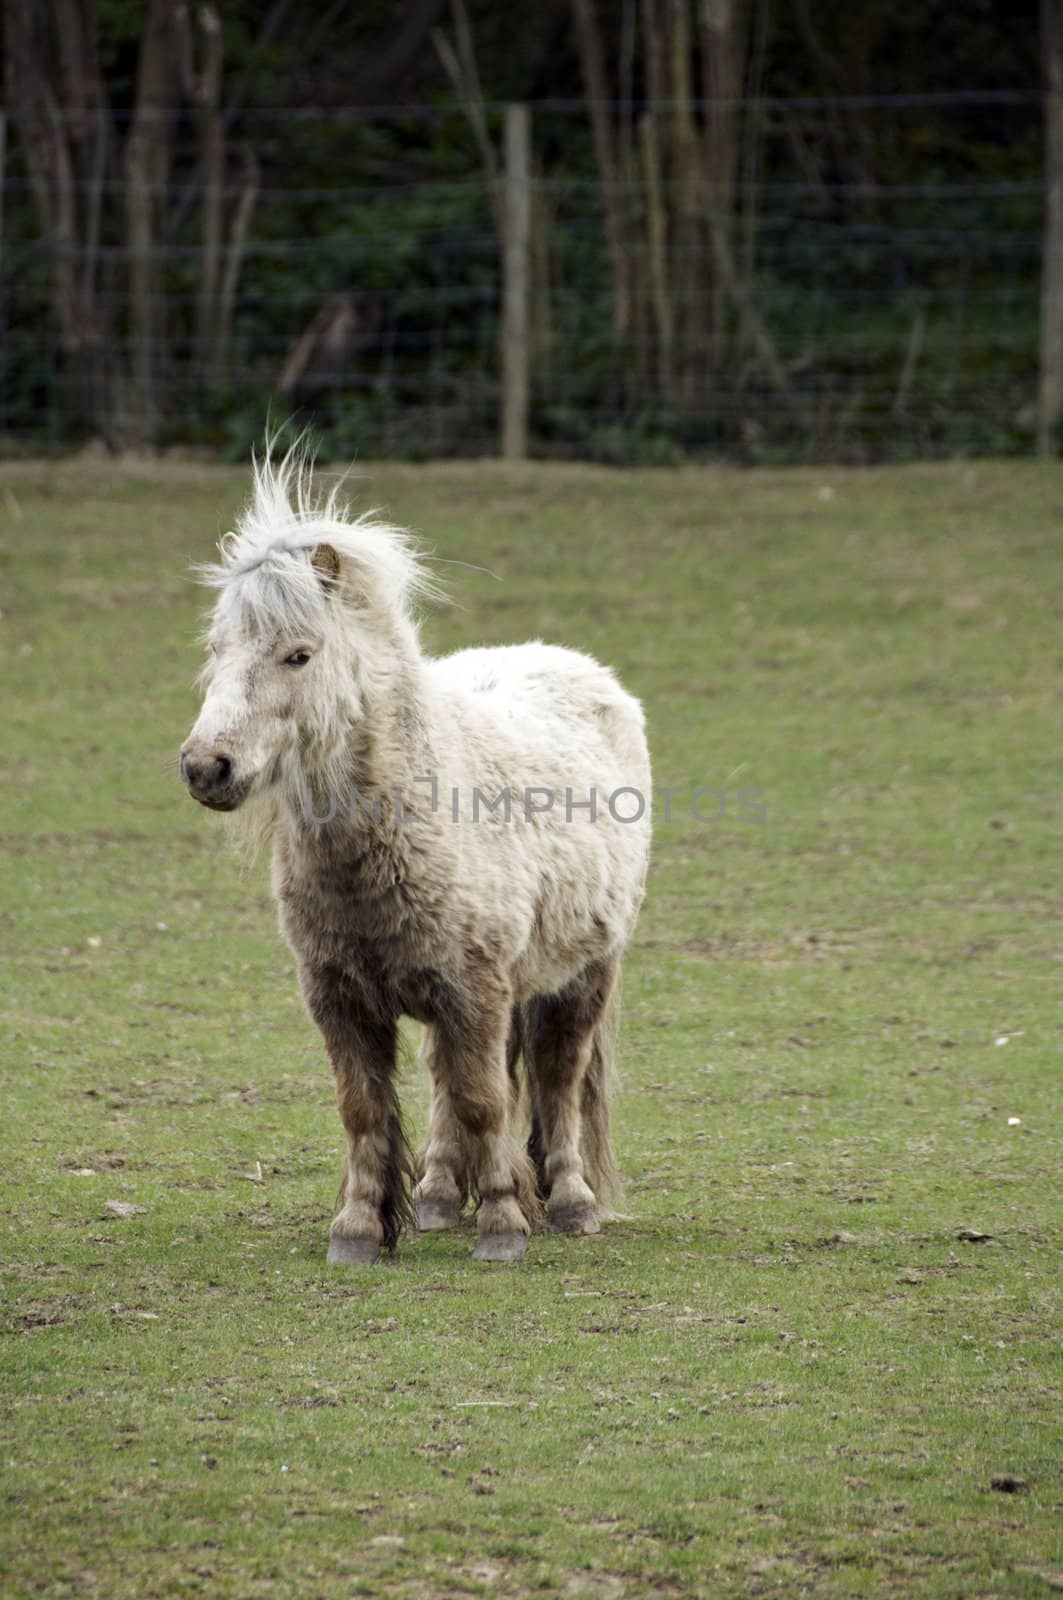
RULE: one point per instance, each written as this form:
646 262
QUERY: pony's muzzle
208 777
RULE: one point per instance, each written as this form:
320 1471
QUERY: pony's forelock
265 568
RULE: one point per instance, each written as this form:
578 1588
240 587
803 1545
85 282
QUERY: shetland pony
460 840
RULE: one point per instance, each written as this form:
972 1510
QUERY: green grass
783 1372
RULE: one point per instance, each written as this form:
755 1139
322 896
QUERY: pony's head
310 624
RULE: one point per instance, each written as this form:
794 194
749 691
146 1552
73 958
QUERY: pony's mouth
227 800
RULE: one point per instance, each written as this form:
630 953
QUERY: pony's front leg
362 1047
471 1057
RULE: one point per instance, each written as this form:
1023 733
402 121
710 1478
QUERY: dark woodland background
767 229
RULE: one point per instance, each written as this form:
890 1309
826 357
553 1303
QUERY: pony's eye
298 658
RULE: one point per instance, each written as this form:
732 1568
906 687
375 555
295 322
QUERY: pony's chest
388 965
359 914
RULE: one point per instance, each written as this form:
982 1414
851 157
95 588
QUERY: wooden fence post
3 173
516 239
3 256
1050 392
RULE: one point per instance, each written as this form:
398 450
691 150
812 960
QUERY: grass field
827 1322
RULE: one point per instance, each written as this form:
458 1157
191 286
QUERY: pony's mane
265 566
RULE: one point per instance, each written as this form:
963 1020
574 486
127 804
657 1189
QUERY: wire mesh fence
820 309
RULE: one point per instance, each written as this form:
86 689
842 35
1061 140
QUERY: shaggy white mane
265 571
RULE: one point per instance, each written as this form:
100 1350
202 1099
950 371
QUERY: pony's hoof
500 1246
352 1252
435 1215
574 1219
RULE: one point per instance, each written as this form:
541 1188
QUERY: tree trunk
687 275
66 153
542 327
203 89
657 253
723 35
751 137
147 172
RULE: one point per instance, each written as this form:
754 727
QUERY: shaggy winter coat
462 841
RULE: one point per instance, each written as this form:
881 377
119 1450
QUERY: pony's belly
548 965
587 909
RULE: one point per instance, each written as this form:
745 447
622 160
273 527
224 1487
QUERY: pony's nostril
208 774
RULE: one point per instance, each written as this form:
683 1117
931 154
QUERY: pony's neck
390 747
385 749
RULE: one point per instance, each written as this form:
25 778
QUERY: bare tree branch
379 80
592 65
234 260
460 66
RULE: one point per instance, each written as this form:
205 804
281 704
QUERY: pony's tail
599 1162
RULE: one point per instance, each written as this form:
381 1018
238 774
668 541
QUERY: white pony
463 841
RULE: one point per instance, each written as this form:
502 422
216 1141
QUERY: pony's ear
325 560
339 575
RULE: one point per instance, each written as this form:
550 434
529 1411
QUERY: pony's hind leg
443 1184
473 1052
559 1049
373 1196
